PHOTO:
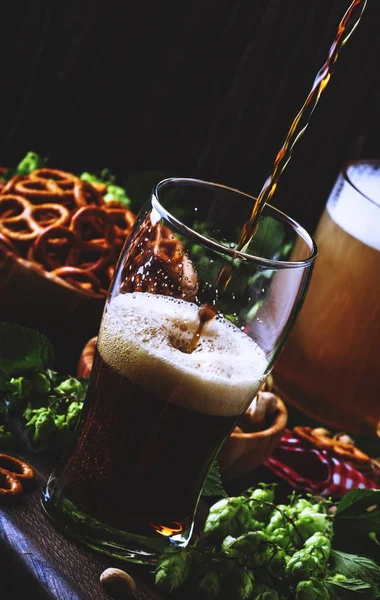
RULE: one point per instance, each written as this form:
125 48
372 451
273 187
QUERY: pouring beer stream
346 27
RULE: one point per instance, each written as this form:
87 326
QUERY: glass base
103 538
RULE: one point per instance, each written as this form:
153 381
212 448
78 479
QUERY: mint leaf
213 485
23 349
358 513
350 589
355 566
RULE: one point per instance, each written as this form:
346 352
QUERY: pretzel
44 185
55 247
319 438
96 221
78 237
10 486
122 220
20 221
17 468
77 277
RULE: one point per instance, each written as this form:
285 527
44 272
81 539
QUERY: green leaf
355 566
23 349
358 512
29 163
350 589
213 485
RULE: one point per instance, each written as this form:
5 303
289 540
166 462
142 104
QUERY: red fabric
313 470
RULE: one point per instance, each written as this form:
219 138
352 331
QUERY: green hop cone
41 425
60 422
303 565
281 537
71 386
115 192
252 549
279 518
209 585
261 501
226 517
308 522
73 413
312 589
173 570
319 543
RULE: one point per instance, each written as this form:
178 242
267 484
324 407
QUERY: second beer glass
180 356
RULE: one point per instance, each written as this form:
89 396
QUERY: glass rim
216 246
355 163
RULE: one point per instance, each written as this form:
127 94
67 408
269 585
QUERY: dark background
203 88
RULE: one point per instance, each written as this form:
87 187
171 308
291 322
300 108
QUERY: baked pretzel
17 468
10 486
62 223
91 224
122 219
84 279
21 221
44 185
319 438
55 247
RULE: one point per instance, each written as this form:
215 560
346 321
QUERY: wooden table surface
38 561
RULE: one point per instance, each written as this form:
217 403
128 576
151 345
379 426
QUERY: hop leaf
23 349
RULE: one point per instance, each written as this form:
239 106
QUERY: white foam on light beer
353 212
139 338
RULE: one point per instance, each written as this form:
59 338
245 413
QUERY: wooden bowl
242 452
34 298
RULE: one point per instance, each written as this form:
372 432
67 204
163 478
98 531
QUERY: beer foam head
143 336
354 205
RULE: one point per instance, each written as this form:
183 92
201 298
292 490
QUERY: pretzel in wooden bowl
55 220
59 244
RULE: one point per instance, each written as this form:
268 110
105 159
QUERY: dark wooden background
206 88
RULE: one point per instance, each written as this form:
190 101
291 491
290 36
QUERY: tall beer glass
330 367
179 358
